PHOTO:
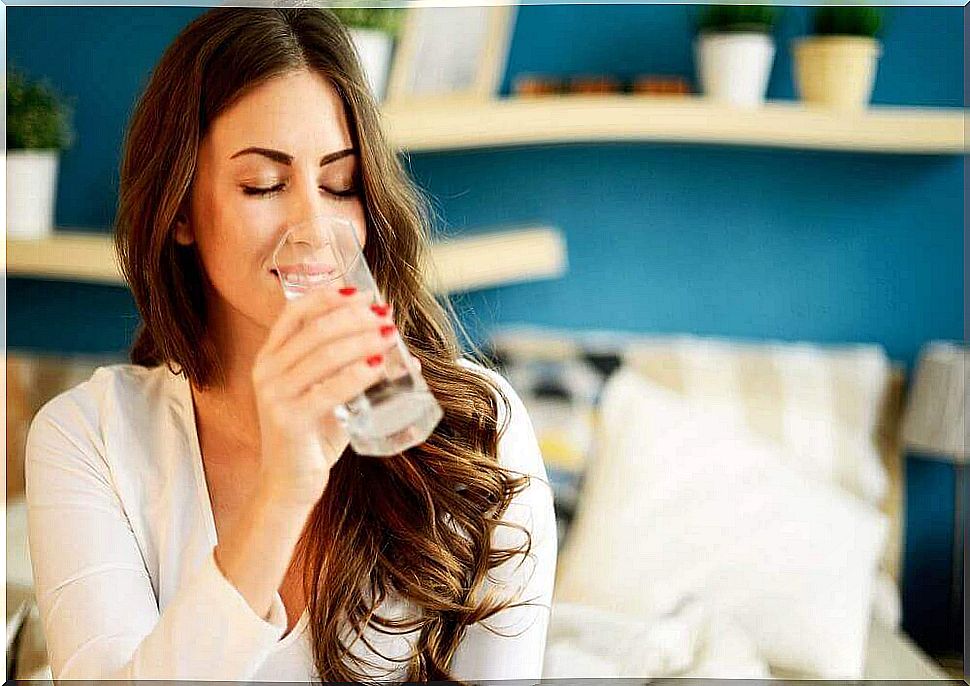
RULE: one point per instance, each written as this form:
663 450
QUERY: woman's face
281 154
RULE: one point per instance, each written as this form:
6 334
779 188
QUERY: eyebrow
283 158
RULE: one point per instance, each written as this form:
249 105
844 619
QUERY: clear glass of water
396 413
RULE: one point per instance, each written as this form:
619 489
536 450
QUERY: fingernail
380 310
387 330
347 290
374 360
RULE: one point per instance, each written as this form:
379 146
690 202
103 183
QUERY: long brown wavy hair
418 524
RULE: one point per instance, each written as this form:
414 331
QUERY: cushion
682 498
821 402
835 407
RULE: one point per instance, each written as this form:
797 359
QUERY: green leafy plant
38 118
737 19
847 21
386 19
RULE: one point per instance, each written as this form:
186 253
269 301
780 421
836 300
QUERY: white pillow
821 402
681 498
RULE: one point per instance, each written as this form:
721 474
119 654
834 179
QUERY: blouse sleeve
516 649
98 607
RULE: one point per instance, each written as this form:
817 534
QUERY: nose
307 200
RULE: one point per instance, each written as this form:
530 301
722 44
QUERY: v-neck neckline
187 407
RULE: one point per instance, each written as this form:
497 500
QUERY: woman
198 514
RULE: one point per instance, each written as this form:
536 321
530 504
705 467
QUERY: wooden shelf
439 126
478 261
497 258
71 256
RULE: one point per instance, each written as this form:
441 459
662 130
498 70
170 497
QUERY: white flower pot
836 71
374 49
733 68
31 192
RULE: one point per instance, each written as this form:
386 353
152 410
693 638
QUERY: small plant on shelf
373 31
38 118
384 19
737 19
847 21
38 129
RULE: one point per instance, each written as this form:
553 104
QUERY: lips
310 268
305 274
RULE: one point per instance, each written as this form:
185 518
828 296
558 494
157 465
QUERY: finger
305 308
323 363
327 329
340 388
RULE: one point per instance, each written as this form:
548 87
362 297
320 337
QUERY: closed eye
267 192
250 190
345 193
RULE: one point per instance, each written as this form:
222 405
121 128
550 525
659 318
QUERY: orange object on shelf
595 84
530 84
650 84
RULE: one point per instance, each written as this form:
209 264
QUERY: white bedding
777 570
690 640
693 641
683 501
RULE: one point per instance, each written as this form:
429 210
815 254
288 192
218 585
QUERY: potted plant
38 129
373 30
734 50
836 66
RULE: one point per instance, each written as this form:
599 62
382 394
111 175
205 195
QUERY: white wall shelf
480 260
444 125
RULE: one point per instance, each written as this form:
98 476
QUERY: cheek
230 255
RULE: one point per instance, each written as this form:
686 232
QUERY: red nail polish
347 290
374 360
380 310
387 330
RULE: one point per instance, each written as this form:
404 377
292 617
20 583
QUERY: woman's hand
315 358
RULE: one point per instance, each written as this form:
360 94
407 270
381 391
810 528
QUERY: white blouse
121 538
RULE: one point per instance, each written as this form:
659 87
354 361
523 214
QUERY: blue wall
742 242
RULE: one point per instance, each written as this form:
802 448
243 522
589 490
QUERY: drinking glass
396 413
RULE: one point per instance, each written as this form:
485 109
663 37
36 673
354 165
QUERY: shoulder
532 509
82 414
518 447
515 408
107 384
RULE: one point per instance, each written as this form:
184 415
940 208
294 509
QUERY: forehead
299 113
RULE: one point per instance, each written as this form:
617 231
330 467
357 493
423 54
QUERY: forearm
256 552
103 618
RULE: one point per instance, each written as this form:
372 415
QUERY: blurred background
744 225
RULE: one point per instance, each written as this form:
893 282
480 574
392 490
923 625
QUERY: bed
784 455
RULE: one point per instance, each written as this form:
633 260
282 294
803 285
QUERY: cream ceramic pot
836 71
